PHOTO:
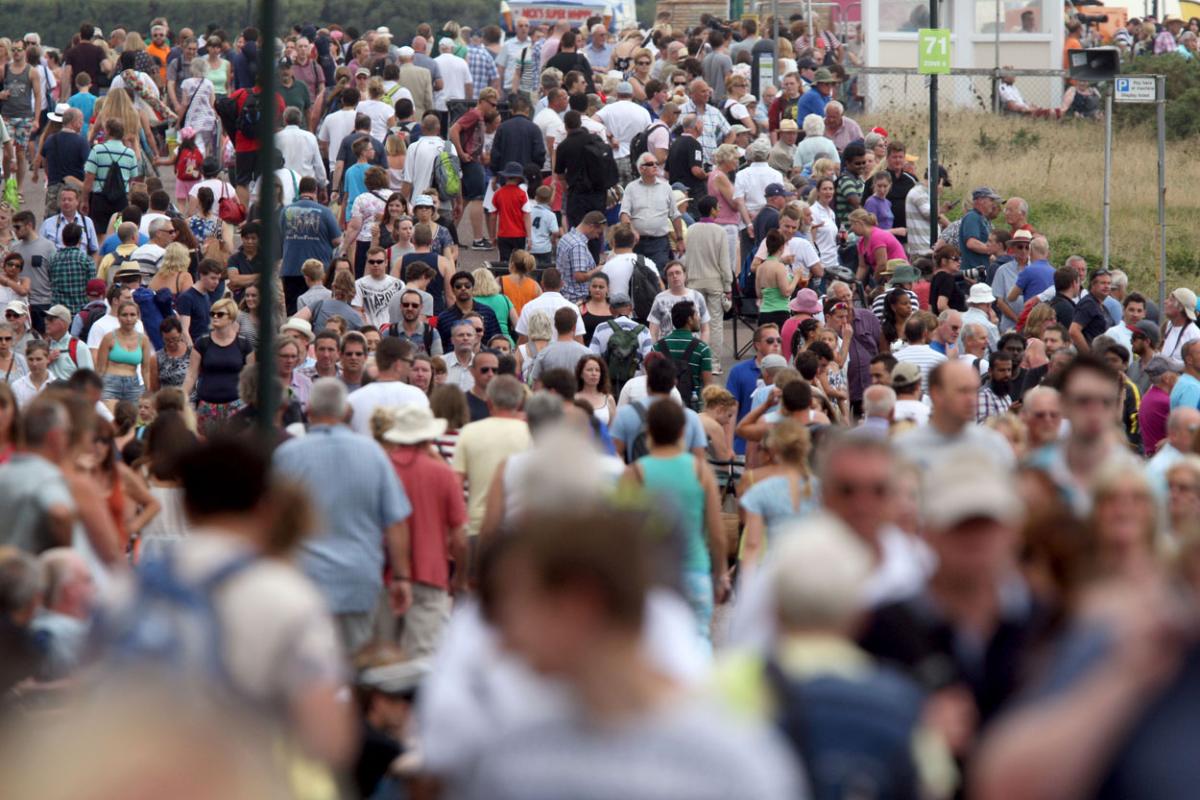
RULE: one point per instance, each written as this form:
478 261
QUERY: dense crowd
541 528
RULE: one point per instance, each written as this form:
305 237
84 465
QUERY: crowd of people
538 528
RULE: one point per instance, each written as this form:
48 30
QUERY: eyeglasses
773 340
410 305
376 261
488 370
12 315
458 286
220 314
648 164
6 338
642 63
478 331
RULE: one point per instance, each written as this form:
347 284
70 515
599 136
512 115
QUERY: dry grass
1058 167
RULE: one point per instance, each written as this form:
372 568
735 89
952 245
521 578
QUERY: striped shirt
924 357
991 404
675 345
114 154
848 185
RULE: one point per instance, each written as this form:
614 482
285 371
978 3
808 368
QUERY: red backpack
188 164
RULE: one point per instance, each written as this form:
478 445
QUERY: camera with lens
1091 19
975 274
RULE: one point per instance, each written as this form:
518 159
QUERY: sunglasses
6 338
410 305
643 63
458 286
376 261
12 315
488 370
852 489
773 340
220 314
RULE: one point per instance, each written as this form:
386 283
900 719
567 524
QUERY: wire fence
876 89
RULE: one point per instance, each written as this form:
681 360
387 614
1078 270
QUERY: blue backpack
854 736
172 624
155 307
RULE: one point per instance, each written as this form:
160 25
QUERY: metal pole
268 383
996 73
933 138
1160 101
1108 109
775 42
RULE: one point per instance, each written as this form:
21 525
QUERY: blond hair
226 305
485 283
176 258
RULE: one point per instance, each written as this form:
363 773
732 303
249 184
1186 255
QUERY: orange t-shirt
519 295
161 53
1069 45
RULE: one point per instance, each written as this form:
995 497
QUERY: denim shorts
698 592
122 387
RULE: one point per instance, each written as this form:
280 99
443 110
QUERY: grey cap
1161 365
985 191
1150 331
773 361
619 299
624 88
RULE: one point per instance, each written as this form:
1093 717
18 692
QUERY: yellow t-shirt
481 447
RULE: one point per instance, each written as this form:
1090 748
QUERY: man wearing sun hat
814 100
64 154
437 528
979 311
783 153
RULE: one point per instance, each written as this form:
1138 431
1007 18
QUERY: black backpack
684 381
643 288
641 144
640 446
88 316
600 164
113 188
427 336
249 117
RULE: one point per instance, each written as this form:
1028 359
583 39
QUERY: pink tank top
726 213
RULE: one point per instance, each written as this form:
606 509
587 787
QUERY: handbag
230 209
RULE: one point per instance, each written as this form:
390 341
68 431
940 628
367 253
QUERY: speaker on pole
1094 64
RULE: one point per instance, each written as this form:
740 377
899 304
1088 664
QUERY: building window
907 16
1016 16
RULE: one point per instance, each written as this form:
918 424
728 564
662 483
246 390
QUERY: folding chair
745 311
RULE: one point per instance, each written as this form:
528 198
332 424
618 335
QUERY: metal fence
882 88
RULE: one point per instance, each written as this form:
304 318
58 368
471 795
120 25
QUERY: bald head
1182 426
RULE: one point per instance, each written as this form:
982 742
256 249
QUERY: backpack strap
428 336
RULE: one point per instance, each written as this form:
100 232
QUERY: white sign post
1135 89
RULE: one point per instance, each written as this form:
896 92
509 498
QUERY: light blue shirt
1186 393
543 224
628 425
357 497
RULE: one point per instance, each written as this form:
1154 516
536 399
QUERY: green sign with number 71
933 51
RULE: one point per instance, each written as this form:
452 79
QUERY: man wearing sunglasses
484 367
745 376
461 284
1004 282
412 325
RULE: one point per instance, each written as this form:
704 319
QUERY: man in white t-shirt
624 119
456 76
338 125
373 292
550 123
797 252
619 266
392 359
418 163
549 301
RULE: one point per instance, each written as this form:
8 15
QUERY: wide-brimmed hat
823 75
413 424
513 170
905 273
301 326
59 110
980 293
805 302
788 125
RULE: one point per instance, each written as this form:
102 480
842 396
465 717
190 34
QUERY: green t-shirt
700 361
296 96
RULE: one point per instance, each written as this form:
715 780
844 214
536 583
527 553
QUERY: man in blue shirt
1186 393
745 377
64 154
815 99
974 234
1038 276
363 509
631 419
308 230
